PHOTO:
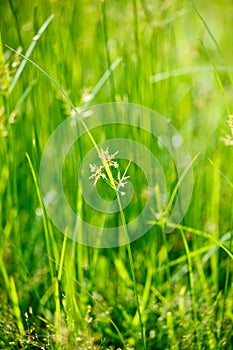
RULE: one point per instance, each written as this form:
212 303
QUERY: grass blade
101 82
192 287
29 51
45 224
179 72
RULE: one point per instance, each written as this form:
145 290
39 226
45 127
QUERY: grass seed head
99 171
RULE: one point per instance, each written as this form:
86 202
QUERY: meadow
167 289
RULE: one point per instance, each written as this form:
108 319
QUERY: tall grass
173 57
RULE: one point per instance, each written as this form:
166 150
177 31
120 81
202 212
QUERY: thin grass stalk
82 286
4 273
16 307
2 66
168 207
212 37
171 331
132 271
137 49
198 233
62 257
213 217
227 283
18 27
165 243
45 223
192 288
164 237
29 52
194 254
58 316
219 81
210 58
11 163
105 29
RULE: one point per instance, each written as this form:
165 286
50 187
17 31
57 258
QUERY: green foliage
170 56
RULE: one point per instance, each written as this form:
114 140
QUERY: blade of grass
17 24
101 82
132 269
59 275
2 64
45 223
213 217
146 292
29 51
24 96
137 49
4 273
218 78
203 234
171 332
58 316
176 188
212 37
221 173
192 288
226 286
85 288
184 71
15 302
209 250
105 29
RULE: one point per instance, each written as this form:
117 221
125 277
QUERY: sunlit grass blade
2 64
176 188
59 275
202 234
45 223
29 52
218 78
17 21
105 30
211 36
171 331
71 276
15 301
145 296
24 96
221 173
179 72
101 82
192 288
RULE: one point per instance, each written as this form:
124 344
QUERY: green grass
175 289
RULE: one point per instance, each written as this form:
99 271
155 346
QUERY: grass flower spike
103 171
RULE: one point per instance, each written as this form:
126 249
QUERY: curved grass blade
185 71
101 82
213 38
29 51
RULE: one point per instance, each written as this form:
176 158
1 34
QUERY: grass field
164 290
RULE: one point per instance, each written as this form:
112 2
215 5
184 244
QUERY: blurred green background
174 57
